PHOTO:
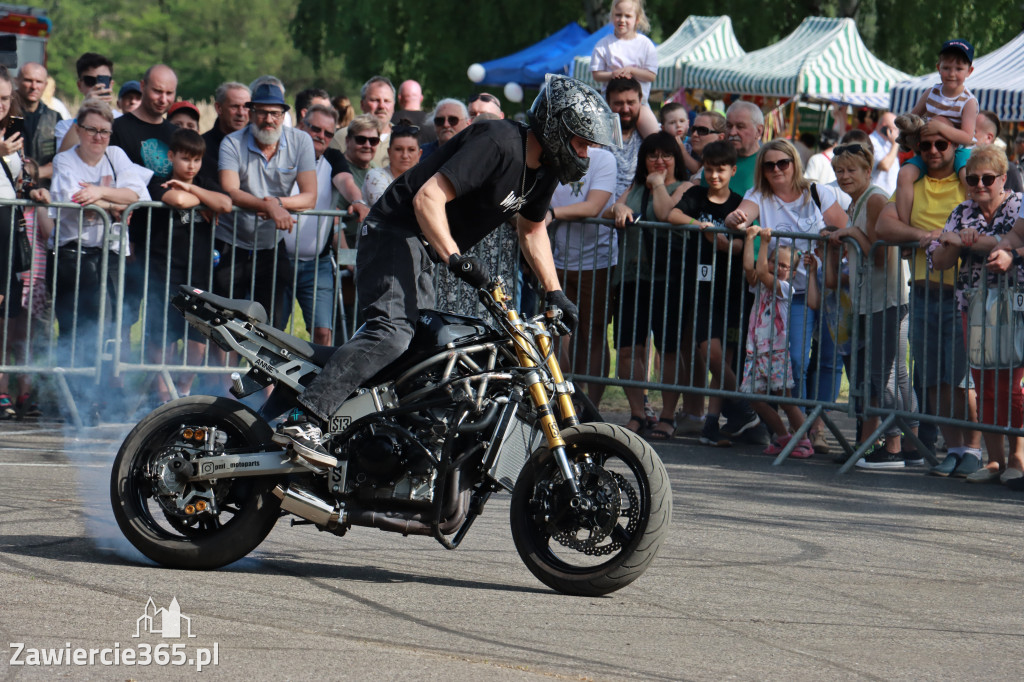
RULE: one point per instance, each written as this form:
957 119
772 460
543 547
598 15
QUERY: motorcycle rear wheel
630 481
247 510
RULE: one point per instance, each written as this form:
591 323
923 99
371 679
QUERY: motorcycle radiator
513 443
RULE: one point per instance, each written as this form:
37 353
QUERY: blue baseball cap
268 93
959 45
129 86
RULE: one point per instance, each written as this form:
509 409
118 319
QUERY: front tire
246 510
593 553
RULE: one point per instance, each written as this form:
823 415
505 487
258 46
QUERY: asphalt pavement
787 572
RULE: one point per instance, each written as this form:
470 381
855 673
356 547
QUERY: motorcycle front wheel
606 537
239 513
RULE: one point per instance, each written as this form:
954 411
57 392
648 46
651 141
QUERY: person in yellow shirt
936 336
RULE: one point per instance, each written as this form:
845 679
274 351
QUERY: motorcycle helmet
566 107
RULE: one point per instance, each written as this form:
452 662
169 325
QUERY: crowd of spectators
755 293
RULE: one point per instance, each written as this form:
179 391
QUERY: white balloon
476 72
513 92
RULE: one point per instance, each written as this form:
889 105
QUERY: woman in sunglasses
972 233
781 199
883 297
403 153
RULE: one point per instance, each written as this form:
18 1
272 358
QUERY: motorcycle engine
385 463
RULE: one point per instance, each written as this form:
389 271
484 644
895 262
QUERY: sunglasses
987 180
452 121
317 130
91 81
940 146
362 139
701 131
403 130
484 97
849 149
781 164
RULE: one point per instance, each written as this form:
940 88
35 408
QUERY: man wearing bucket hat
259 166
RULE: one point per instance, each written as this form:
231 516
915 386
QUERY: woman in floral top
973 231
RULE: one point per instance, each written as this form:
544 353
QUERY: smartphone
104 80
885 130
16 124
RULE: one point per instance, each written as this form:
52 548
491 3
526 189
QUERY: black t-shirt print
485 165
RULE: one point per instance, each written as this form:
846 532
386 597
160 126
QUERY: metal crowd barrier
101 298
936 352
653 298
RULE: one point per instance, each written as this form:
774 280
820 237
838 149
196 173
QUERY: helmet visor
597 127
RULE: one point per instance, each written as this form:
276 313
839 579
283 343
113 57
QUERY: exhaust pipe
305 504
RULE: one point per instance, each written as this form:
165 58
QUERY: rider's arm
536 248
429 203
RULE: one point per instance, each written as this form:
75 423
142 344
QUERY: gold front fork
537 391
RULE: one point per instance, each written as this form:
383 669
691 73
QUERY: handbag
995 331
21 247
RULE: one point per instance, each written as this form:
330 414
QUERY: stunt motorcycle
467 411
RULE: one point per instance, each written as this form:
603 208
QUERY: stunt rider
442 207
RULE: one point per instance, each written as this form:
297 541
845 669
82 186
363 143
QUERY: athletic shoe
7 410
946 466
304 441
688 424
880 458
913 458
27 407
711 435
970 462
819 442
742 420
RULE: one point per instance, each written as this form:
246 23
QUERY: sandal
657 434
639 421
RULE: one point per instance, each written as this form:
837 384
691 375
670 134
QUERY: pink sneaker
803 449
777 444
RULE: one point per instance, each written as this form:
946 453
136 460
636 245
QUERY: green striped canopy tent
697 39
823 58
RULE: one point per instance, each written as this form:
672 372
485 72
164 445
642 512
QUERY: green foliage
205 42
338 45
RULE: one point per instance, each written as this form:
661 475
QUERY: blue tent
513 67
562 63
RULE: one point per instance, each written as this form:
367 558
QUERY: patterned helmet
565 108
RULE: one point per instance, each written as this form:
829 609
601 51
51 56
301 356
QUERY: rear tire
631 485
247 510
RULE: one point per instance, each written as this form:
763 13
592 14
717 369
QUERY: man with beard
624 97
259 166
230 101
744 124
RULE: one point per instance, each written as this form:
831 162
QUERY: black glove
570 313
469 269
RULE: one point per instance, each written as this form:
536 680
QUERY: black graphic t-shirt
696 204
485 165
146 144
